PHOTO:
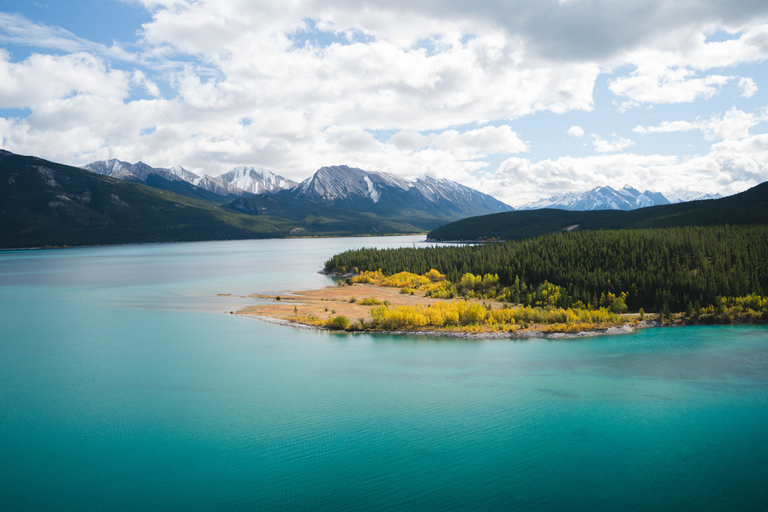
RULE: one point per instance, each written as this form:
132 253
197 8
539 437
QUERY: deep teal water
125 386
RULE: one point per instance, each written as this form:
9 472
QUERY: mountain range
237 182
46 203
333 198
358 196
338 184
607 198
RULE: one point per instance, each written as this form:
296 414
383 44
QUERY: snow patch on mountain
372 192
600 198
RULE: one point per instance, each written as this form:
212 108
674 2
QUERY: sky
520 99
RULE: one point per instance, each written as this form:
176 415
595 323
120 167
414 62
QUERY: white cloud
617 144
733 124
729 167
666 127
17 29
414 69
468 145
666 86
673 68
747 87
41 79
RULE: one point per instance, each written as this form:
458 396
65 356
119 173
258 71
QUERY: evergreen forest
677 269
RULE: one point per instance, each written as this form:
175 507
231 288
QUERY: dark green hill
322 217
44 203
749 207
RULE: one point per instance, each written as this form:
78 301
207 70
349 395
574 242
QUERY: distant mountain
358 190
423 203
174 179
607 198
600 198
45 203
219 186
748 207
256 180
235 183
683 196
139 172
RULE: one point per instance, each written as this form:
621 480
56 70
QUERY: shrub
618 305
339 323
433 275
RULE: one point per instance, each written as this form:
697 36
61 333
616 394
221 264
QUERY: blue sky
518 99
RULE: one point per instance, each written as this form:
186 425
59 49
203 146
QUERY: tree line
676 269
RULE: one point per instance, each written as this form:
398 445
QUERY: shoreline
399 308
627 328
317 309
123 244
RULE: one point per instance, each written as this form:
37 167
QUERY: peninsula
409 303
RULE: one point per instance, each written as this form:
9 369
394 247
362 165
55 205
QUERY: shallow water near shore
124 385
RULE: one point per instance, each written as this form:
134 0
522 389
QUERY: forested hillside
678 267
748 207
45 203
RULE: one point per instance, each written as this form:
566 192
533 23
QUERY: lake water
124 385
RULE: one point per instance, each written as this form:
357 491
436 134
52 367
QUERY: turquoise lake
126 385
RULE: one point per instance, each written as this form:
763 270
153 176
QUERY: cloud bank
405 87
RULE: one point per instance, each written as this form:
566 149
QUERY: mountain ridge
237 182
424 202
607 198
44 203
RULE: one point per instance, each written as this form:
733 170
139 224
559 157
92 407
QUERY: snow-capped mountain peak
606 198
343 185
182 173
683 196
600 198
237 182
139 171
342 182
256 180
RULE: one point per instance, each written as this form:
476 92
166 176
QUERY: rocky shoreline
610 331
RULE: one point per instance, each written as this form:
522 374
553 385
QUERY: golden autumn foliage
405 280
465 313
368 277
371 301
